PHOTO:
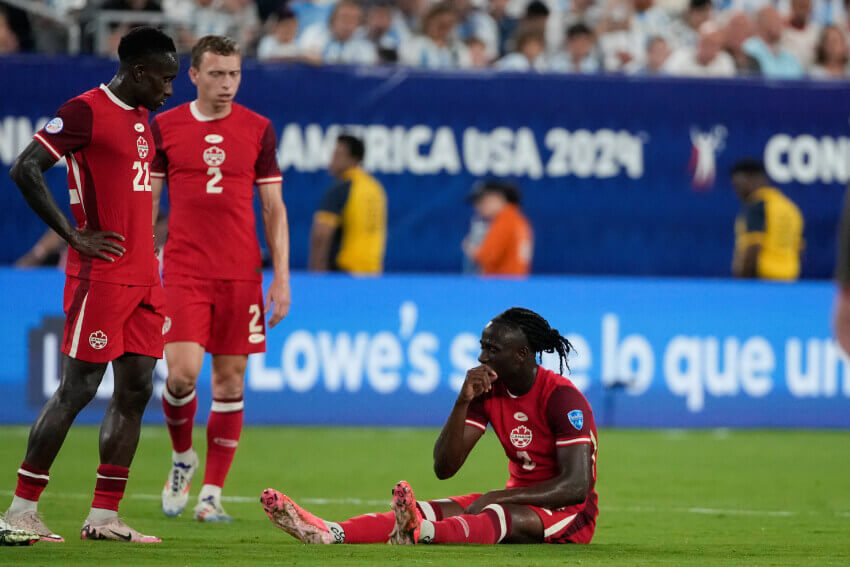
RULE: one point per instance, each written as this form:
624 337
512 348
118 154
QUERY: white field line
385 503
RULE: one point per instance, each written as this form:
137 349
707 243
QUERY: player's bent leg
78 386
293 519
179 404
119 437
525 524
224 428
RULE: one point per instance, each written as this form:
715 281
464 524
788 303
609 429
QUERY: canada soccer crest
97 340
142 146
521 437
214 156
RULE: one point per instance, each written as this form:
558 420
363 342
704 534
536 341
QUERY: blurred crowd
703 38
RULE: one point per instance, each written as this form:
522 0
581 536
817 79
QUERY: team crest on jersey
213 139
576 418
142 146
139 127
166 325
521 437
214 156
98 340
54 126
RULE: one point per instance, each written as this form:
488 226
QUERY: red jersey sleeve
265 169
476 414
69 131
569 417
159 167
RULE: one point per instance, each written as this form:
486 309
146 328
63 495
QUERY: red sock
31 482
369 528
491 526
180 417
109 490
376 528
223 430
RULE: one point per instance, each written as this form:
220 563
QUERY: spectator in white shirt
529 56
657 53
338 43
381 31
831 55
579 56
801 33
626 30
476 53
279 44
685 31
472 22
706 60
436 48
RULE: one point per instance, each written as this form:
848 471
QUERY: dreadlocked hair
541 337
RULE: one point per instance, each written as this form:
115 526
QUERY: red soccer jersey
212 167
109 149
531 427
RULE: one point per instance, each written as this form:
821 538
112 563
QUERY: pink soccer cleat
116 530
31 522
407 516
293 519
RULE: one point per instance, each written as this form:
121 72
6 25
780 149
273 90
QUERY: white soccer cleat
10 536
114 529
210 510
31 522
175 494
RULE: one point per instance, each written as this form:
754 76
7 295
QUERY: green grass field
666 497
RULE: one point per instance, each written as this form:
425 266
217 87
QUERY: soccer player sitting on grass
547 430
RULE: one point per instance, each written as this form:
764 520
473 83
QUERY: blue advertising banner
394 350
619 175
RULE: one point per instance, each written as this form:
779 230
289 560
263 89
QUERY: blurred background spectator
657 54
739 28
580 55
338 41
279 43
436 47
685 31
380 30
831 55
9 42
707 59
529 55
801 33
775 61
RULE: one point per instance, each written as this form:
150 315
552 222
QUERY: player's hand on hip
97 243
478 506
479 380
277 301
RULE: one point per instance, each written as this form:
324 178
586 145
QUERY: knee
135 396
79 395
181 381
228 385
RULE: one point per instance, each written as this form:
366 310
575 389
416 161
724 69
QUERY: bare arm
277 237
569 488
458 438
321 236
28 174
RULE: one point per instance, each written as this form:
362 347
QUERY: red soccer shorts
559 526
105 320
223 316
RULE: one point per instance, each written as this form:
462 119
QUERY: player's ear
193 75
138 72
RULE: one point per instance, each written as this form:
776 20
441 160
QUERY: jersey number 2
142 182
215 177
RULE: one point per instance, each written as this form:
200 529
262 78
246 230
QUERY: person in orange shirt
509 242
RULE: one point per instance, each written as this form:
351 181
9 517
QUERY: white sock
22 505
183 457
210 490
101 515
336 530
426 531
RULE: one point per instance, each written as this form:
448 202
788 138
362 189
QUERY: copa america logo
705 146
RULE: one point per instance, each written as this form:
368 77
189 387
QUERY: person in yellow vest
349 232
769 228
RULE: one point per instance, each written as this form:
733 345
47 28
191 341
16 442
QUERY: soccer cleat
116 530
8 536
293 519
407 516
175 494
209 510
31 522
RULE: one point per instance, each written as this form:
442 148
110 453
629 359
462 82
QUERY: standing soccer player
113 299
212 152
546 428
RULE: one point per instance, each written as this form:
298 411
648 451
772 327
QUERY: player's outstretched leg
407 516
293 519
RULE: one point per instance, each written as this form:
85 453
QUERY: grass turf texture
666 497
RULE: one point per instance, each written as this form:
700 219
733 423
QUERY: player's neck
212 110
121 89
524 383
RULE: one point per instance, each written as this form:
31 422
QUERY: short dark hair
537 9
578 29
526 34
354 145
699 4
218 44
142 42
748 166
509 191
